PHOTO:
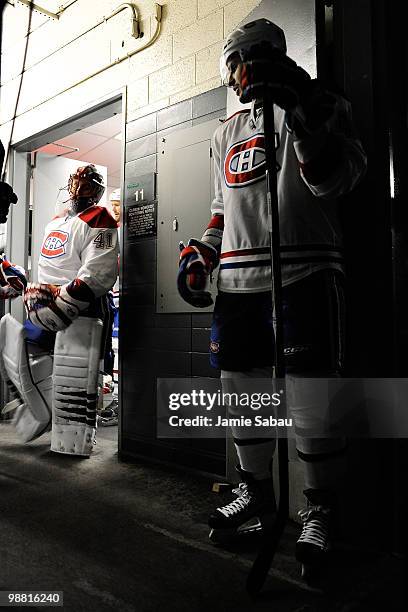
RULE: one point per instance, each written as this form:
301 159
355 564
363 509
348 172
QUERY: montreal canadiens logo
214 347
245 162
54 244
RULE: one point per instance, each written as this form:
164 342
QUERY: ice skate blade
249 532
111 423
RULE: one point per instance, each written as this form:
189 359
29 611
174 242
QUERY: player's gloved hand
12 276
49 307
197 261
265 68
307 103
7 197
315 108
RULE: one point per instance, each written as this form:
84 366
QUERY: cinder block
16 26
15 23
63 69
235 12
97 89
121 42
144 165
138 94
141 127
219 114
146 110
163 133
195 90
205 7
173 115
46 40
158 56
8 99
12 61
202 33
178 14
209 101
172 79
208 62
141 147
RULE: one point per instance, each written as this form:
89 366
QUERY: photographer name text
205 421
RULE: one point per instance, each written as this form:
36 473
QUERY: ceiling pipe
136 33
135 17
158 17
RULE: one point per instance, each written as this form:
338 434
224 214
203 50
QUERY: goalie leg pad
76 369
27 370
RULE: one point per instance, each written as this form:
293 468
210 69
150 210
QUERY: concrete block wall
161 345
183 62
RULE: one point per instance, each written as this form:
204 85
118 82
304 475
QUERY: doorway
42 166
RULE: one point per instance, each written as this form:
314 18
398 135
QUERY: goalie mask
85 187
254 33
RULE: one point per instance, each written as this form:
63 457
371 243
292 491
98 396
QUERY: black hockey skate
313 546
253 511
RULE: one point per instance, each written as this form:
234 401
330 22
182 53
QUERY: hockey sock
255 456
324 470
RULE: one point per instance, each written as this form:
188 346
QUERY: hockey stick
264 559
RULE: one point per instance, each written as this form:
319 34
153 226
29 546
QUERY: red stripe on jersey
80 291
244 252
245 110
217 221
98 217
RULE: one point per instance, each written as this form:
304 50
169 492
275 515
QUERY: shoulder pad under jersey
244 110
98 217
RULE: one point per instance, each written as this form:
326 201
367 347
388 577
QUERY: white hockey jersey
311 174
83 247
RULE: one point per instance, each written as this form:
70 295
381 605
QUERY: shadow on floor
133 538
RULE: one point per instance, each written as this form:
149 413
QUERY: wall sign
139 188
140 206
141 220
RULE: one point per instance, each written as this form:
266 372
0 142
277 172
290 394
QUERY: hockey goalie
51 364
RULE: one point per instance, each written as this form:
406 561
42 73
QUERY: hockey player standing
76 269
318 160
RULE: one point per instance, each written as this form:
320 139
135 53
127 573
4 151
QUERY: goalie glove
197 261
12 276
52 308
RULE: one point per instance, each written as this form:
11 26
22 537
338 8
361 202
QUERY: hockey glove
197 261
12 276
315 108
264 69
50 307
307 104
7 197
